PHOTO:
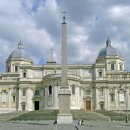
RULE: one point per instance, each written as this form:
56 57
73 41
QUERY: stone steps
51 115
8 116
89 115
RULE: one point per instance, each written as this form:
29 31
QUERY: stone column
55 99
105 99
97 99
17 98
116 99
9 99
64 116
20 100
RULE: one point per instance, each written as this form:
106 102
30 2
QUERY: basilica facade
103 85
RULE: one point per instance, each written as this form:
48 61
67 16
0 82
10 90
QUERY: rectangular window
112 67
16 68
13 98
73 89
120 67
8 69
50 90
24 92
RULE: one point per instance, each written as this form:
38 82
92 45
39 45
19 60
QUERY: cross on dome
20 45
108 42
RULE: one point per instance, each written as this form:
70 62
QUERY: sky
37 23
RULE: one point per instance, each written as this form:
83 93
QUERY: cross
64 12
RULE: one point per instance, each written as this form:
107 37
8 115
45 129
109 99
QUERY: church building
103 85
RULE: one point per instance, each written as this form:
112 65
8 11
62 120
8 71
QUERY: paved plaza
48 125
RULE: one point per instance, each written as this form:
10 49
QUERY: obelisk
64 116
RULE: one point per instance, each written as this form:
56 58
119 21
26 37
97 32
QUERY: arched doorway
36 105
101 105
23 106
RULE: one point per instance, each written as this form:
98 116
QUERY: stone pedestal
64 116
64 119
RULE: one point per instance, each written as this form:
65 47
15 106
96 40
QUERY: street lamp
126 107
126 96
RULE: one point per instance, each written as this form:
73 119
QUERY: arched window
73 89
24 74
50 90
37 93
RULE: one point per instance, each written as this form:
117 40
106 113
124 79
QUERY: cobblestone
48 125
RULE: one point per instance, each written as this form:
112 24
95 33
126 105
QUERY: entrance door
36 105
88 105
23 107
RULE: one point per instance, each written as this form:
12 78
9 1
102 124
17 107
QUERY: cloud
89 23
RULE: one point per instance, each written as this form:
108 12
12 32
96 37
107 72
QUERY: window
73 89
16 68
112 97
37 93
24 92
120 67
13 98
100 73
24 74
50 90
112 66
88 92
8 69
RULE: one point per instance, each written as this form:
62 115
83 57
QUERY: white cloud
119 11
38 23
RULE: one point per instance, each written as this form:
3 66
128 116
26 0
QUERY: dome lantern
19 54
20 45
108 42
109 51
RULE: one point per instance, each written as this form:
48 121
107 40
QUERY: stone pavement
48 125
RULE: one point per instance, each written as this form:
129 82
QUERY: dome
109 51
19 53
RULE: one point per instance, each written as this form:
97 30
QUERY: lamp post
126 97
126 107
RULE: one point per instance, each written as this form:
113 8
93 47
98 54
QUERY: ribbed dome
19 53
109 51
